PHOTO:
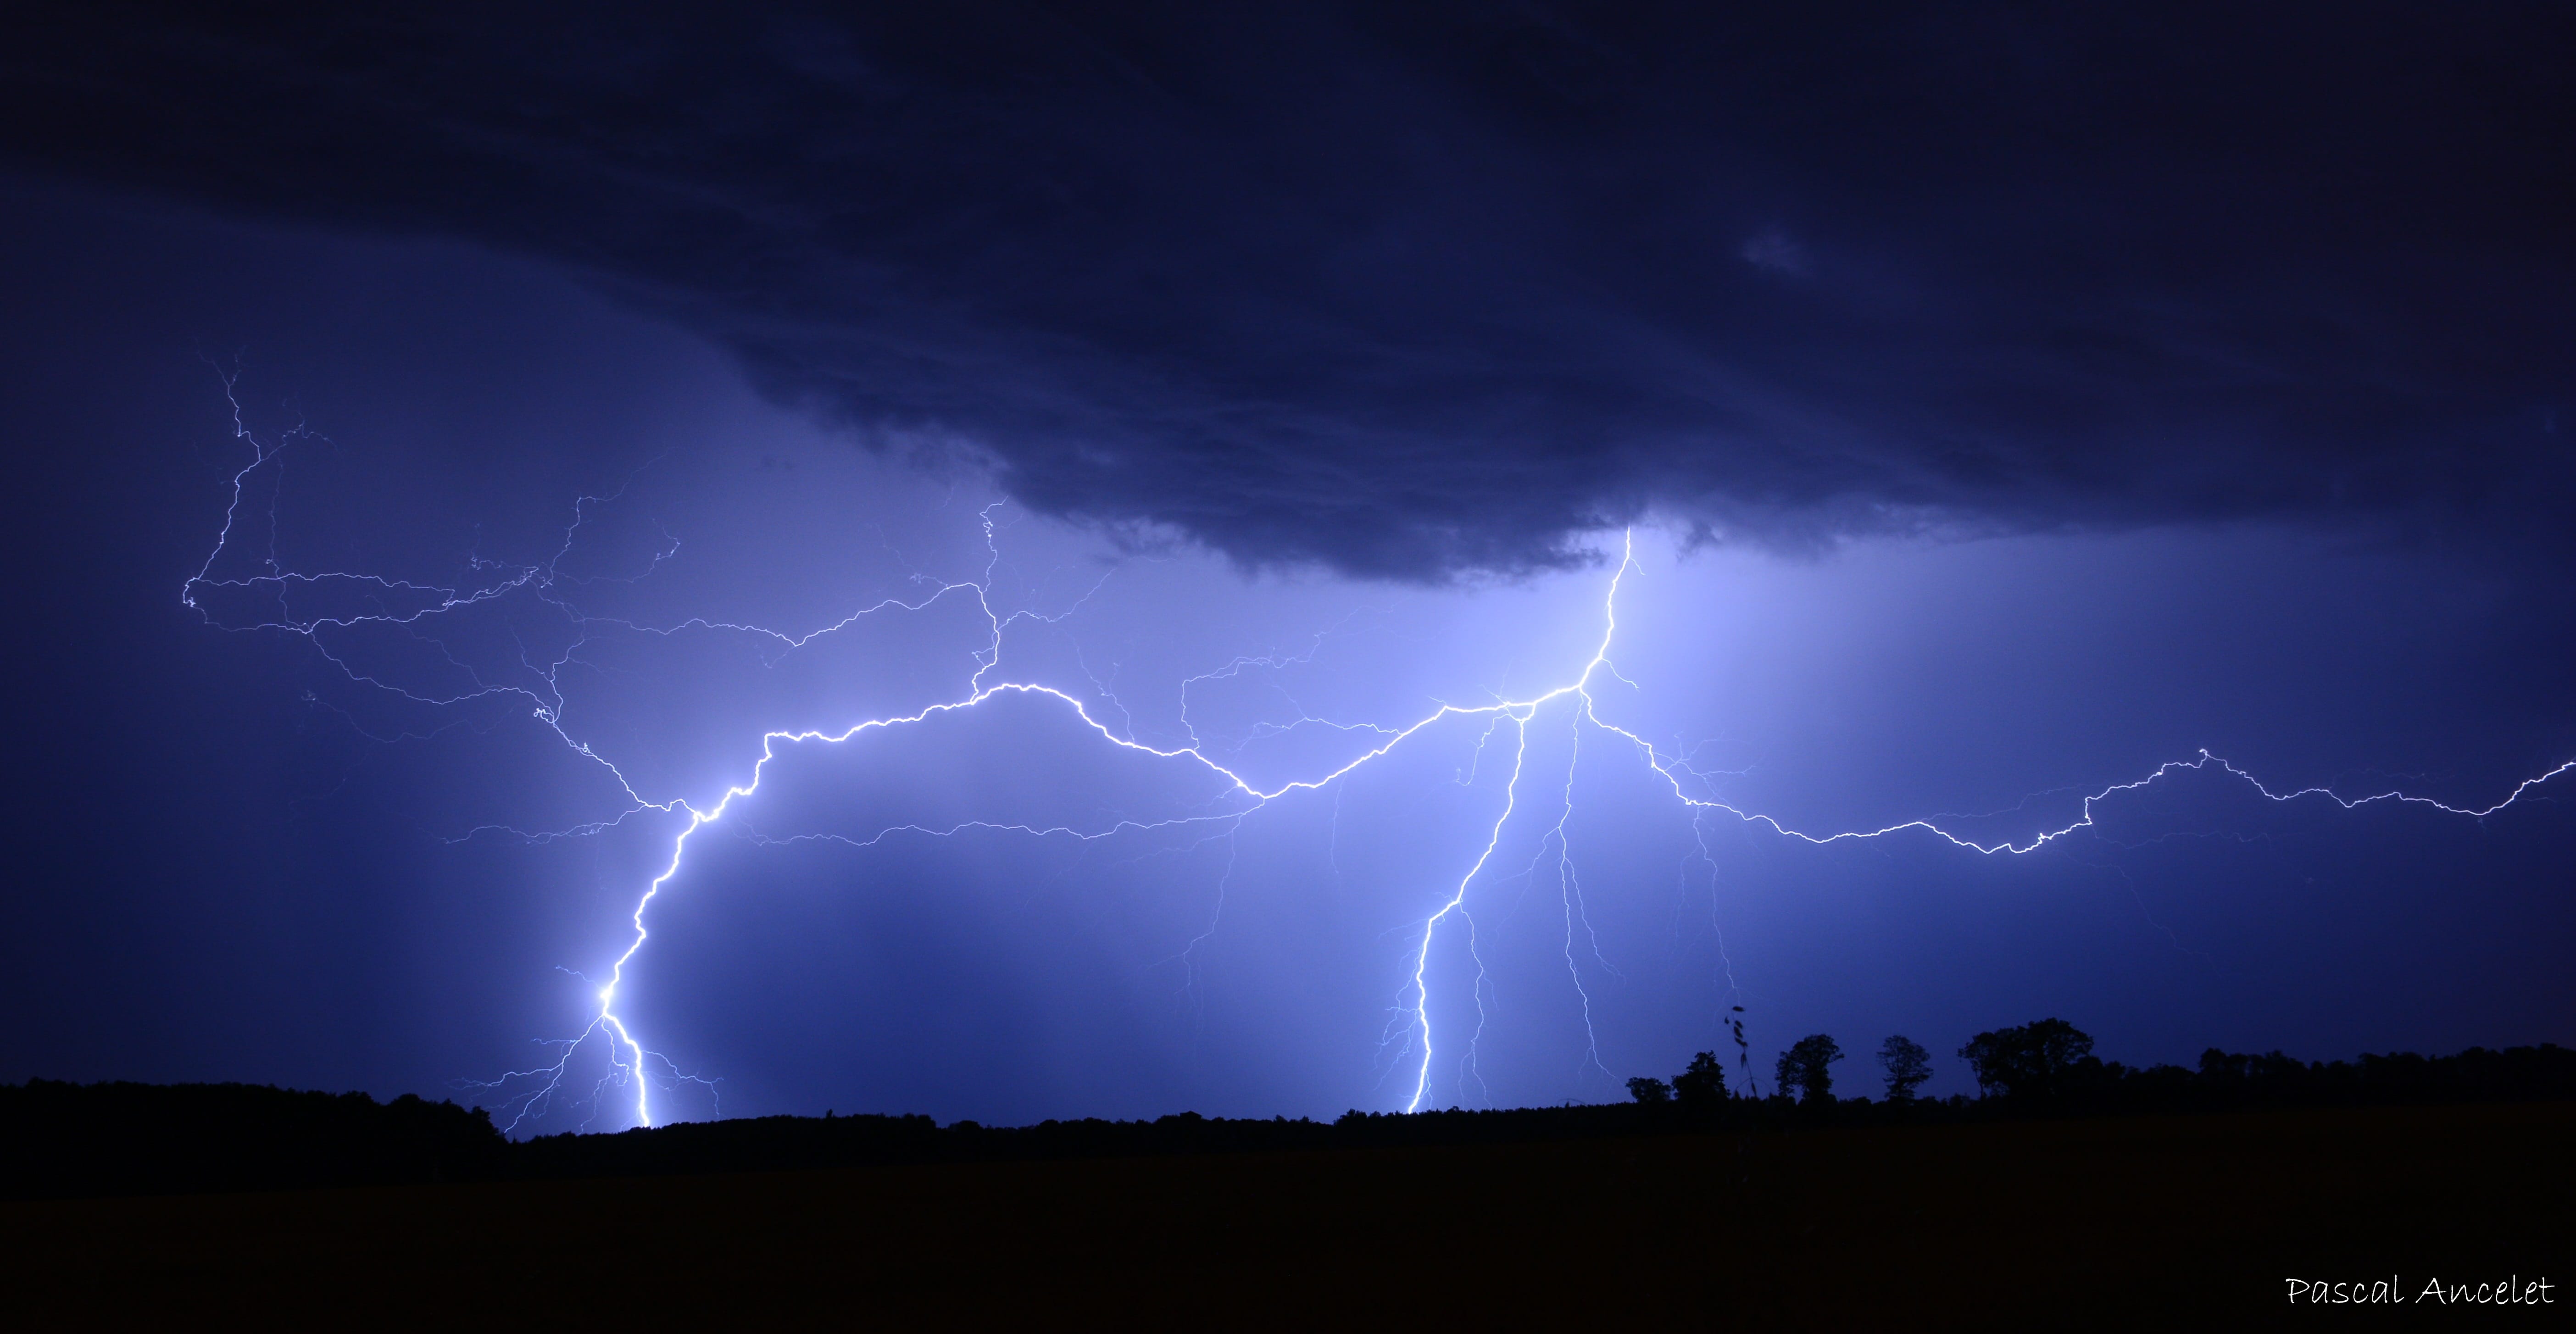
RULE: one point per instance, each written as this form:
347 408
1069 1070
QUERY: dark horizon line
2274 1057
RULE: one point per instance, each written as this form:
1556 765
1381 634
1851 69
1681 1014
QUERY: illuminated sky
1999 413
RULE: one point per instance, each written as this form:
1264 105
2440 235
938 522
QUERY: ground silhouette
2165 1222
62 1140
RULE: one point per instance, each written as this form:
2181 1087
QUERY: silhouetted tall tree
1703 1083
2027 1063
1907 1065
1803 1067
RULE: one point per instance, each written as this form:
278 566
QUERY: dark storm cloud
1414 289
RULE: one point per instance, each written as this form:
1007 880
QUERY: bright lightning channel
398 602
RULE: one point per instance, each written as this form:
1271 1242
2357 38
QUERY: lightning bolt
243 591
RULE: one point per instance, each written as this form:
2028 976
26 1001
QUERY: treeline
2047 1067
59 1139
150 1139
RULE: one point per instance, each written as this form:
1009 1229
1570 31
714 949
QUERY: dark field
2129 1222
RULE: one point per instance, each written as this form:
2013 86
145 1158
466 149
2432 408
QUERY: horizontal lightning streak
419 603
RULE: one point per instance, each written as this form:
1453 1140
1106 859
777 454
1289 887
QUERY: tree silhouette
1703 1083
1803 1067
2028 1063
1650 1090
1907 1065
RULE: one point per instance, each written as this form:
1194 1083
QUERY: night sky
443 442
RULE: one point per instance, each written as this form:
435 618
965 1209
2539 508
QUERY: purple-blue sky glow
401 853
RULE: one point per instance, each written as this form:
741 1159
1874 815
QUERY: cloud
1414 290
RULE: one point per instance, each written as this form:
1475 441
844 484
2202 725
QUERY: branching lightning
235 590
